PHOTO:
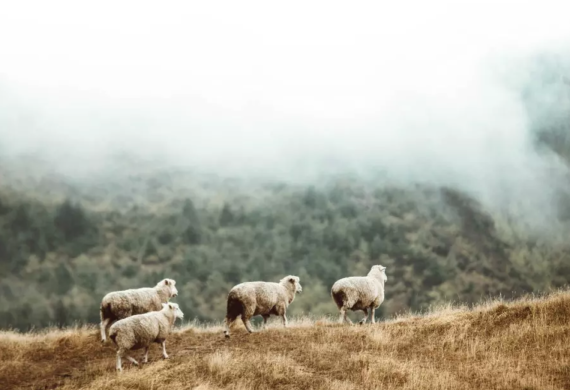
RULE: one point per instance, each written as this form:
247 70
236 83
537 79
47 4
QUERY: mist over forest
220 145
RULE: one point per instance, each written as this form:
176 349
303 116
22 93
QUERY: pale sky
419 88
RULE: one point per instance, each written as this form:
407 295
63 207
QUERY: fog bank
435 92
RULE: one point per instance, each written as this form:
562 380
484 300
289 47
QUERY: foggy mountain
437 132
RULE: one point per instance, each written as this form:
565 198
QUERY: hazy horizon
429 93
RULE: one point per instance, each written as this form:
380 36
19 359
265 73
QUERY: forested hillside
63 246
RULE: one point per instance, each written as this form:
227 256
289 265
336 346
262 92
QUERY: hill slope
498 345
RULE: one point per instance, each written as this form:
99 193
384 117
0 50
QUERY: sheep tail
105 311
235 308
339 298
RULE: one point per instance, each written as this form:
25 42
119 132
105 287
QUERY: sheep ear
292 280
166 282
170 306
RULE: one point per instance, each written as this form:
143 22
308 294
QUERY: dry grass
497 345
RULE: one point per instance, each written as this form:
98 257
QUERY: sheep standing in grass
261 298
141 330
122 304
364 293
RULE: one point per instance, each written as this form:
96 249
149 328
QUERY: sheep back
256 298
122 304
139 331
357 293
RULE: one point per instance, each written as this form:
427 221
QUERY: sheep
141 330
364 293
122 304
261 298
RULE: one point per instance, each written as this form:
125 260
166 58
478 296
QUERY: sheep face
171 283
382 271
297 282
175 308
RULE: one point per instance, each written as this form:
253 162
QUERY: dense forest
59 258
65 243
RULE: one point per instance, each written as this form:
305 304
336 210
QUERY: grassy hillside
496 345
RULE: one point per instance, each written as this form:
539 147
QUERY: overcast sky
421 89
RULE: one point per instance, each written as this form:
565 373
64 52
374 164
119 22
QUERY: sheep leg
119 363
145 360
103 326
228 324
363 321
348 320
343 316
373 310
132 360
164 354
265 318
285 322
247 323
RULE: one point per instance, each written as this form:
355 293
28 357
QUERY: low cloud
438 93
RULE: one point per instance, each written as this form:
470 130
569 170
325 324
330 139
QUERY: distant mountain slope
64 242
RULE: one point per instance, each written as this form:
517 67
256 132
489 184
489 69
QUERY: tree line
438 244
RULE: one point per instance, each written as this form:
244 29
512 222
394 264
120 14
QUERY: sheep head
379 270
295 281
171 284
174 308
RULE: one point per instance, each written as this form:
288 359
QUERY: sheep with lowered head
261 298
141 330
122 304
364 293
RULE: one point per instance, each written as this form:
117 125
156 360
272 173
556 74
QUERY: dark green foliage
57 262
226 216
71 221
62 280
189 223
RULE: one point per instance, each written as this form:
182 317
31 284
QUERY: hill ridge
520 344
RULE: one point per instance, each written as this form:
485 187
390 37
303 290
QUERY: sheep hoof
166 357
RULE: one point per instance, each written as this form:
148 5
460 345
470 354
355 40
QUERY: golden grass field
497 345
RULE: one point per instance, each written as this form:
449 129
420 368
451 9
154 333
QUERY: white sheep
261 298
364 293
122 304
141 330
